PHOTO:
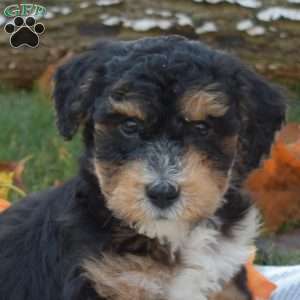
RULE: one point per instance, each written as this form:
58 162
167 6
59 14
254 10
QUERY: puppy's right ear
78 83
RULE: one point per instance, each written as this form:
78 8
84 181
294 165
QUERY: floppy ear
70 93
262 108
78 83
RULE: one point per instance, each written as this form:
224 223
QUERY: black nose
162 195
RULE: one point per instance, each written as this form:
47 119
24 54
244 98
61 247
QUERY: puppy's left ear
262 109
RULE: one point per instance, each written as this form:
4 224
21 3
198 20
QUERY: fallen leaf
4 205
260 287
11 177
290 133
6 179
275 186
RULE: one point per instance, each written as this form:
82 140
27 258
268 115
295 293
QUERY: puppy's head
169 124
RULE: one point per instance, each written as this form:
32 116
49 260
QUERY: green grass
294 104
27 123
288 226
276 258
294 111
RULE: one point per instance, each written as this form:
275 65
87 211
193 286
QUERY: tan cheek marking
107 175
128 277
202 187
123 188
198 105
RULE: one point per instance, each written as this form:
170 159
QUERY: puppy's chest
194 266
133 267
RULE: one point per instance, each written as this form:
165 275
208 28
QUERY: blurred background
264 33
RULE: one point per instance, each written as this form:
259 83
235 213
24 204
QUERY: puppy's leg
211 259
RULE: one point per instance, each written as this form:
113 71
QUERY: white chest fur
208 260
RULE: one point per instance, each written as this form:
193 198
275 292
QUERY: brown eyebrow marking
127 108
197 105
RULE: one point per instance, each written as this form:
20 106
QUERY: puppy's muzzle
162 195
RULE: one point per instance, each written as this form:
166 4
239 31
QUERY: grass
294 104
27 123
276 258
289 225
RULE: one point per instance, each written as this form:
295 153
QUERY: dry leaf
290 133
260 287
276 185
4 205
11 177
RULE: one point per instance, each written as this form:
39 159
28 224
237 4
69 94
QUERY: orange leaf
11 176
275 185
4 205
260 287
290 133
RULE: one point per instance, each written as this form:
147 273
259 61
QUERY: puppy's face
164 156
167 123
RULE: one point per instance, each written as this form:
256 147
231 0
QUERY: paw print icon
24 32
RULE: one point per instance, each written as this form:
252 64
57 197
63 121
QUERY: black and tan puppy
171 128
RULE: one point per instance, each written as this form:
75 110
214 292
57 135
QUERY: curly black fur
45 237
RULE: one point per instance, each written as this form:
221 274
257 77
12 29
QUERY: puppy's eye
130 127
202 127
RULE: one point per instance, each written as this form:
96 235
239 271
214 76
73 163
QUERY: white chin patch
166 231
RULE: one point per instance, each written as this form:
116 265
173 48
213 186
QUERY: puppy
171 128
